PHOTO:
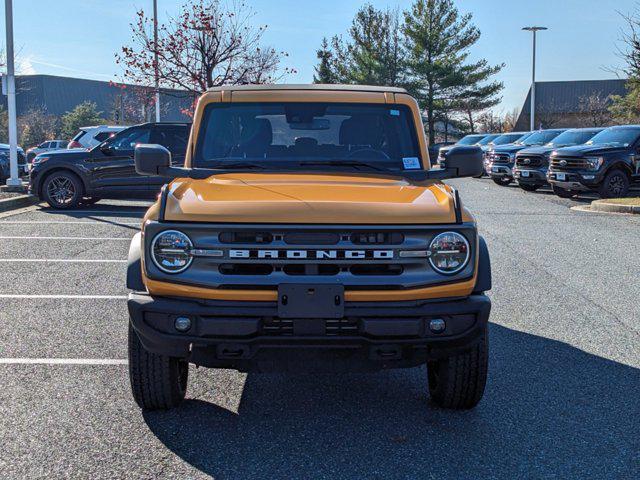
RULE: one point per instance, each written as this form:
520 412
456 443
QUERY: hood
308 198
66 154
509 148
543 150
585 150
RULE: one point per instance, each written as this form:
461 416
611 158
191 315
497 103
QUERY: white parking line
48 222
65 297
58 260
93 239
63 361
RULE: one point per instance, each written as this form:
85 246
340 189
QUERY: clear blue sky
80 37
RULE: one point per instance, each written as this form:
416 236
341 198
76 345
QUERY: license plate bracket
561 176
310 301
525 173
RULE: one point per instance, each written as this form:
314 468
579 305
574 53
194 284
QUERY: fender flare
134 265
483 281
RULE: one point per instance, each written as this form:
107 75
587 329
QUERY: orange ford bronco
307 232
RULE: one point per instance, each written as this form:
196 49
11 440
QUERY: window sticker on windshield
411 163
394 113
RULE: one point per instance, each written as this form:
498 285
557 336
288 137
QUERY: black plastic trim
134 264
164 193
483 281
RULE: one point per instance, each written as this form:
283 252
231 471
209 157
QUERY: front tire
528 188
502 181
615 185
458 382
62 190
563 193
158 382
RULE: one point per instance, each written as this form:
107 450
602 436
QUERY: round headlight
449 253
171 251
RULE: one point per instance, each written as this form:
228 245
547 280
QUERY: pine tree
438 40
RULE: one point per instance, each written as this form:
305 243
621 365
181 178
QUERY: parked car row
68 178
601 160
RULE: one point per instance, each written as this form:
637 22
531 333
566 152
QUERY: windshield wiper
345 163
240 165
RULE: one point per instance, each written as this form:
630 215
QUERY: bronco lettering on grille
313 254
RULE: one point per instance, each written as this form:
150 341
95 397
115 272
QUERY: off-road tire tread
463 378
154 378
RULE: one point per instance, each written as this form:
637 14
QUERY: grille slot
299 269
377 238
259 238
311 238
245 269
382 269
568 163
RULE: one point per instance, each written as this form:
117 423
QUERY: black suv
502 158
532 164
67 178
606 164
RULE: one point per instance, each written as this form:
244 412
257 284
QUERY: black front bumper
579 180
249 336
532 177
501 170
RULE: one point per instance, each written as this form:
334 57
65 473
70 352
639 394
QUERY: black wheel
158 382
614 185
528 187
563 193
502 181
62 190
458 382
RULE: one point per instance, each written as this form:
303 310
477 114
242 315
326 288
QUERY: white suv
89 137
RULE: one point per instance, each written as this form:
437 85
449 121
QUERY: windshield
616 136
509 138
470 139
540 138
571 137
488 139
272 135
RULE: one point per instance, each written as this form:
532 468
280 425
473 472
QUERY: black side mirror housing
152 159
106 149
462 162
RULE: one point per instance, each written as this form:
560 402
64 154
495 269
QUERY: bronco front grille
569 163
264 257
332 327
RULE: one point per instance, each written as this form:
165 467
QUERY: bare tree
209 43
510 120
595 110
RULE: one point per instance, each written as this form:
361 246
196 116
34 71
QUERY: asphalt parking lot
562 399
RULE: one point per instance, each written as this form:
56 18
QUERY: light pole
533 30
14 179
155 57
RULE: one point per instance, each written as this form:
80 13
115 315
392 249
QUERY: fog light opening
437 325
182 324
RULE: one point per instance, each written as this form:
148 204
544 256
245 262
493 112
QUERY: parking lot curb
19 201
604 206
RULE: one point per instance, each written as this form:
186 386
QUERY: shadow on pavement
549 410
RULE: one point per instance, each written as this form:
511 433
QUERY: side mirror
463 162
151 159
106 149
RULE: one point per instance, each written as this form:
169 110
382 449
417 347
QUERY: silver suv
47 146
89 137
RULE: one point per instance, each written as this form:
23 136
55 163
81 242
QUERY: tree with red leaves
208 44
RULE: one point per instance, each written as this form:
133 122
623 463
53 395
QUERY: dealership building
119 103
571 103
